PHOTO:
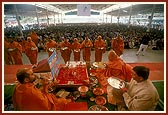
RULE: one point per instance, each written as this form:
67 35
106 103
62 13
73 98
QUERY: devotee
51 46
100 46
27 97
34 37
65 50
15 51
144 44
76 47
31 51
7 57
116 67
117 45
139 94
86 49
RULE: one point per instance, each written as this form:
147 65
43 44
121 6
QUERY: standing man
117 45
31 51
34 37
65 50
7 57
100 48
144 44
15 51
76 47
51 46
86 48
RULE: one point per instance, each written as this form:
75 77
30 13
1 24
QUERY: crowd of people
53 37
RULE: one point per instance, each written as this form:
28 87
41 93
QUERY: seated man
139 94
116 67
27 97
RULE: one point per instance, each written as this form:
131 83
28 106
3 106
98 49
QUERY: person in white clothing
139 94
144 44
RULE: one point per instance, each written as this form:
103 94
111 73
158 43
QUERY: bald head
99 37
112 55
29 39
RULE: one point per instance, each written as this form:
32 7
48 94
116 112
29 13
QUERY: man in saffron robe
86 49
65 50
15 51
116 67
51 46
7 57
27 97
100 48
76 46
31 51
117 45
34 37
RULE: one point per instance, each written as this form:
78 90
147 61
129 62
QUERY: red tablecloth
72 76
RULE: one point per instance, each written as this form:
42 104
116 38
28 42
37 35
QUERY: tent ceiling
30 10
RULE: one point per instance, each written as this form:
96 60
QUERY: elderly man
116 67
139 94
27 97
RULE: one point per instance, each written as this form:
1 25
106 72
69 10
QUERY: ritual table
72 76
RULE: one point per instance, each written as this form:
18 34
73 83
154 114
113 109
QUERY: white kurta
141 96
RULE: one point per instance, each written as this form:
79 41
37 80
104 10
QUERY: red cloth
76 106
42 66
66 76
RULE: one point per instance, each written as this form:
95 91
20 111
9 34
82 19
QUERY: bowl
98 108
83 89
100 100
98 91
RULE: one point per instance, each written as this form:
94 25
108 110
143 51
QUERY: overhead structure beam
17 18
117 7
49 7
151 17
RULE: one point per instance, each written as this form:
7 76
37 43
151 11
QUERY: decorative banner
53 62
83 10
